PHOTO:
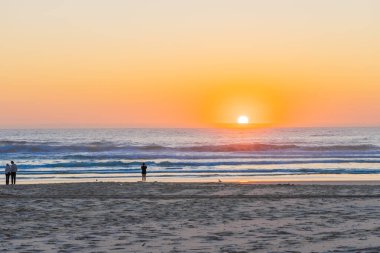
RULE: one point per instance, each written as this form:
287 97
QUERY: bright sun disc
243 120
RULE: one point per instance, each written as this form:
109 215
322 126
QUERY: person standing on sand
143 172
7 173
13 172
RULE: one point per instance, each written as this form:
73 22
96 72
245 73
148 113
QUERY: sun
243 119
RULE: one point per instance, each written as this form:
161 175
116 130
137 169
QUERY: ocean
67 155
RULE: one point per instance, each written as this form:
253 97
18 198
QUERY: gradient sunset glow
87 63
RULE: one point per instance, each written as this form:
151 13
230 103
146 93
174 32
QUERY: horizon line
227 126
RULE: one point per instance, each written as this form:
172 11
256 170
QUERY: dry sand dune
189 217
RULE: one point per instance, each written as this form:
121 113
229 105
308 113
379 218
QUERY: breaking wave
214 171
51 147
193 164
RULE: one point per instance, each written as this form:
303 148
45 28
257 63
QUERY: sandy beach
189 217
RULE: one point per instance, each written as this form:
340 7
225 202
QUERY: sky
195 63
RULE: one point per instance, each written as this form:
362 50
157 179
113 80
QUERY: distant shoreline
195 181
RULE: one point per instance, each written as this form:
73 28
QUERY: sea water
192 154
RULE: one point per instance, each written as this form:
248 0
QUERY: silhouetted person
13 172
7 173
143 172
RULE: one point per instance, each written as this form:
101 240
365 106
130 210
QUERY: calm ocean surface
191 154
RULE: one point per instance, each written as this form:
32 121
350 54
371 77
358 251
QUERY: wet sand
189 217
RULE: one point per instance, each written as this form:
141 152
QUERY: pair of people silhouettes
10 172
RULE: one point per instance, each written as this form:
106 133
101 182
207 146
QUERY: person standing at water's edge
143 171
13 172
7 173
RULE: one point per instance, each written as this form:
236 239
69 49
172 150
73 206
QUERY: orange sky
192 63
